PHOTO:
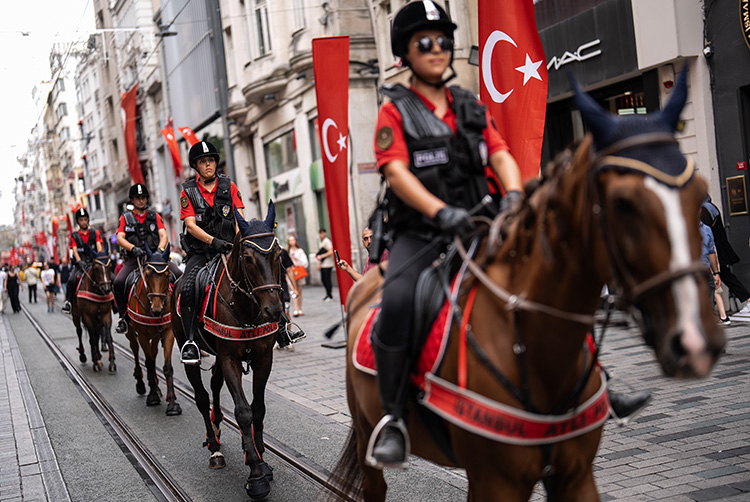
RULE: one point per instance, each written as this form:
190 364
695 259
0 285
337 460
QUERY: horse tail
347 477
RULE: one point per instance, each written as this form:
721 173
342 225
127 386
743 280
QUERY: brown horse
149 312
239 326
93 304
623 212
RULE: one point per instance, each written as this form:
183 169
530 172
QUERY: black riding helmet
138 190
416 16
81 213
200 150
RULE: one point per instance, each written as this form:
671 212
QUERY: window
72 189
299 14
65 134
260 11
62 110
315 139
97 202
281 154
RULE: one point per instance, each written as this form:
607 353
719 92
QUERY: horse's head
647 197
101 272
255 258
156 279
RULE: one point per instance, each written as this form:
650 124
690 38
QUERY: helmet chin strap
209 180
437 85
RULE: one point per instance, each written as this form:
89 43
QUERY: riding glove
453 221
221 245
511 201
137 251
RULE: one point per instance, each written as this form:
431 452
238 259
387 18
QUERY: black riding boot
626 407
190 354
392 446
70 292
121 307
287 335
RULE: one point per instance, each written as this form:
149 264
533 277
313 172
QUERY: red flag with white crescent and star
331 67
129 109
174 150
513 78
189 135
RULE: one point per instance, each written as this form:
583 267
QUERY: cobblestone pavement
692 443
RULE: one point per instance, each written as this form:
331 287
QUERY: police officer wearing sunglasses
432 144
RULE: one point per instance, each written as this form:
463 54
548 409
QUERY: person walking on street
65 270
49 283
325 263
84 243
31 278
709 258
711 216
3 291
207 206
138 228
12 286
366 242
299 259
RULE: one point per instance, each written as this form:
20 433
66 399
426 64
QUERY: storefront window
290 220
281 154
315 139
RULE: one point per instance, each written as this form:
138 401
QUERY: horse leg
96 357
217 382
107 336
261 371
153 398
140 387
201 400
79 332
257 485
173 407
374 486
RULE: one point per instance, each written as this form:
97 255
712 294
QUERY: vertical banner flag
331 67
513 75
128 124
174 150
55 230
189 135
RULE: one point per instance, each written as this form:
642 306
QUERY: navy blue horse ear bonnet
265 241
660 160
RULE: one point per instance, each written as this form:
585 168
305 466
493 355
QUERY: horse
239 326
149 311
519 397
92 303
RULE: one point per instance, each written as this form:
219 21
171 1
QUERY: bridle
159 269
251 290
105 283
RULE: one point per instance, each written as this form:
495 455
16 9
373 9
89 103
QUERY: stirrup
370 459
190 361
295 336
66 308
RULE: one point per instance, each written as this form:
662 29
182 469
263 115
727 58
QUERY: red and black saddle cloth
457 404
92 296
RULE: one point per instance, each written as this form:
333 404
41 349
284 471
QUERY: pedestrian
13 286
723 317
325 263
138 228
48 281
709 258
711 216
65 270
366 242
207 208
3 291
299 259
31 278
435 173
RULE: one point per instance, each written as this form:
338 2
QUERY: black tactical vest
86 251
452 167
139 234
217 220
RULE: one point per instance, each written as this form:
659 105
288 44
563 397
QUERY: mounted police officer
138 228
207 205
84 243
432 144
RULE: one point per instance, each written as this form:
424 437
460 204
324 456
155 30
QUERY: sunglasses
425 44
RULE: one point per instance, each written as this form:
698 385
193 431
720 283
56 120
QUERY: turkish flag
189 135
129 108
55 229
513 78
174 150
331 68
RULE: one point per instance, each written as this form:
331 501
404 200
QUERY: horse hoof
112 368
217 461
152 400
173 409
258 488
267 471
97 368
140 388
82 357
105 348
100 364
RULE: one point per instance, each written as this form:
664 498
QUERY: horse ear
601 123
165 254
671 112
242 223
271 215
149 254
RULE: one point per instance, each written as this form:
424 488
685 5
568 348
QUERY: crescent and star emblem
530 69
341 141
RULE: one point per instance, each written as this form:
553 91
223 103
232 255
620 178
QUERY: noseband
105 276
248 241
158 268
633 291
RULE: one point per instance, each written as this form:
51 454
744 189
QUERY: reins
105 281
149 294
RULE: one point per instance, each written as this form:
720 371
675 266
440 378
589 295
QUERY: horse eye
624 206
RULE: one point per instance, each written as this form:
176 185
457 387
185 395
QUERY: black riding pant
187 298
394 326
733 283
75 276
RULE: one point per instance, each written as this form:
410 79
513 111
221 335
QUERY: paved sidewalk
28 466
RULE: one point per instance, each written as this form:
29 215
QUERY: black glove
453 221
221 245
511 201
137 251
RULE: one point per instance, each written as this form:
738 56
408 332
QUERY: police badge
152 227
225 210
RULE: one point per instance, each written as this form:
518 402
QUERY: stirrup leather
370 460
